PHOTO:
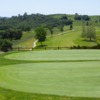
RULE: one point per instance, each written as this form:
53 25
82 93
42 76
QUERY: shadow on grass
89 40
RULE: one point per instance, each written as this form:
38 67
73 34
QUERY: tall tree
41 34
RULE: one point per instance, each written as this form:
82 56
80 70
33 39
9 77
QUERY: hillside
67 38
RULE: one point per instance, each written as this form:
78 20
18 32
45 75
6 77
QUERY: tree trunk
41 43
90 39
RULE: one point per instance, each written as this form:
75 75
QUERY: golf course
55 74
50 57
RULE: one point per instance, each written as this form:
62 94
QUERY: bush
5 45
86 47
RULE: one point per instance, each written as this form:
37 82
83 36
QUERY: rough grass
26 40
26 44
70 38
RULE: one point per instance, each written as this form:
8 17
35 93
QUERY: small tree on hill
41 34
71 27
89 32
61 27
50 27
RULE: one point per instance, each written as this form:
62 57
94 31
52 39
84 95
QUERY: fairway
78 79
70 73
56 55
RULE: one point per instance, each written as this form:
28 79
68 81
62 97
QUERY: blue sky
15 7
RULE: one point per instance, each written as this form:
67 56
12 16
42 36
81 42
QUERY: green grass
26 44
26 40
75 76
70 38
50 75
53 55
76 79
65 39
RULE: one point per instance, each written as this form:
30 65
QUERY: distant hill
27 22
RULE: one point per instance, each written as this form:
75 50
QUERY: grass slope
70 38
26 41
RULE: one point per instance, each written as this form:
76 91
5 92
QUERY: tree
64 17
5 45
50 27
77 16
86 17
71 27
89 32
84 32
61 27
41 34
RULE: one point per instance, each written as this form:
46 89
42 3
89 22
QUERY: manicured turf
78 79
50 75
54 55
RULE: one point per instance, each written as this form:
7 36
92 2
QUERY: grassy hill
67 38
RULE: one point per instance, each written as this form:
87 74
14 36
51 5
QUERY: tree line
81 17
27 22
12 28
6 38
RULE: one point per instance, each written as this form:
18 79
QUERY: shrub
6 45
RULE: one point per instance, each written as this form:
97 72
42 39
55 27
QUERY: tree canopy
40 34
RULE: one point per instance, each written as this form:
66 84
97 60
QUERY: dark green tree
71 27
61 27
41 34
64 17
5 45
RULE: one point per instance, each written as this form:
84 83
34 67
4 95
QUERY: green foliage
11 34
81 17
71 26
64 17
27 22
41 34
89 32
50 27
5 45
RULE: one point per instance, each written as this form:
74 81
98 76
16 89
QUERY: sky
10 8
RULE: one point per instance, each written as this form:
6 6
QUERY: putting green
70 79
56 55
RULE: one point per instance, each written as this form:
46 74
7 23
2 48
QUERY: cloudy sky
14 7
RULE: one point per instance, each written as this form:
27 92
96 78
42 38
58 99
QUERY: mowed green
56 55
73 73
76 79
